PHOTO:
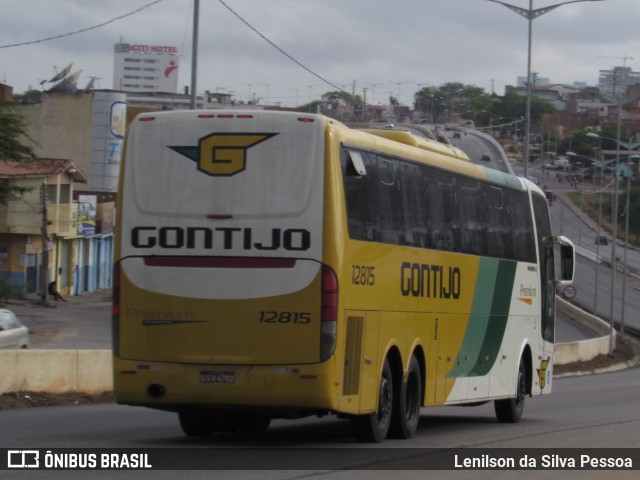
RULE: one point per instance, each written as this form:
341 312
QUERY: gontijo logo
222 154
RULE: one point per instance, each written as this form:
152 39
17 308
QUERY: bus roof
418 142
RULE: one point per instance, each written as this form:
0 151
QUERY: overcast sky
389 47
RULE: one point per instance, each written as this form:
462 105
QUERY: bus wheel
374 427
406 412
195 424
510 410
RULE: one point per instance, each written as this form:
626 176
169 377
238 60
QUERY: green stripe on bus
488 319
498 319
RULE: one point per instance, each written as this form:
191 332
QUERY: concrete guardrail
56 371
90 371
582 350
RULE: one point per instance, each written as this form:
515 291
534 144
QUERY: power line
84 29
280 49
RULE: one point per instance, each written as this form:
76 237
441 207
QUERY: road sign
569 291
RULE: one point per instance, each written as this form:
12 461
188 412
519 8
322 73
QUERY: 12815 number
300 318
363 275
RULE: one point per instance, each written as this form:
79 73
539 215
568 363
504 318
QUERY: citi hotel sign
156 49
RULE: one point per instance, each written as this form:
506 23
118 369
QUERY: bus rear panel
221 284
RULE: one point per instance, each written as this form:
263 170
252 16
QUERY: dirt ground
44 399
624 352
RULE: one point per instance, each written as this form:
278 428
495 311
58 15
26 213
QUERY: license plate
217 377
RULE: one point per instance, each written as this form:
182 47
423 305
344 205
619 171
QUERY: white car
13 334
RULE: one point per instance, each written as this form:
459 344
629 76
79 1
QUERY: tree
579 143
453 98
341 98
634 212
13 128
29 96
610 131
514 107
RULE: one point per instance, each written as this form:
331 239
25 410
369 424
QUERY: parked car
13 334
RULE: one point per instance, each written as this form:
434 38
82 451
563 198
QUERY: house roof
41 167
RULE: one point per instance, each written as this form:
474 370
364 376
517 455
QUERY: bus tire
510 410
195 424
373 427
406 407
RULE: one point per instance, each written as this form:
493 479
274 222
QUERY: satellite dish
68 85
59 76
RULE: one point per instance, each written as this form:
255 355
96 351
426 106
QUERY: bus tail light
329 313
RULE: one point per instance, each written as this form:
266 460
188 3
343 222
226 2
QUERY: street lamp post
614 220
531 14
626 242
600 188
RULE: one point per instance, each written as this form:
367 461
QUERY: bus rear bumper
274 388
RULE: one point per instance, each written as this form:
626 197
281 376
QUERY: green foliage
9 290
609 132
579 143
13 128
634 211
452 97
591 206
341 98
29 96
513 107
473 103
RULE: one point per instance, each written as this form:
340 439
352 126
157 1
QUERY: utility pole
364 105
194 55
44 257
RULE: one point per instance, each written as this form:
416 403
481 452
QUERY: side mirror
567 260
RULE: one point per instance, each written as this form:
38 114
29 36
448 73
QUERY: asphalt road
595 411
80 323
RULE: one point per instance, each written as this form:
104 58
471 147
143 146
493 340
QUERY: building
145 68
614 83
6 92
39 239
86 127
536 81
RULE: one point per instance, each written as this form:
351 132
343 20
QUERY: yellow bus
280 265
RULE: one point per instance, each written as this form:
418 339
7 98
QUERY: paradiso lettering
225 238
429 281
